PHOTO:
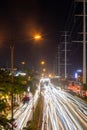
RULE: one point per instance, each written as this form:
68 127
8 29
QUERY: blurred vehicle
26 99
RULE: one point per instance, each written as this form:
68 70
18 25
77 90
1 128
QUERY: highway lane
63 111
25 112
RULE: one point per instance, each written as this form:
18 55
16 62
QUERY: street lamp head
42 62
23 62
37 37
44 70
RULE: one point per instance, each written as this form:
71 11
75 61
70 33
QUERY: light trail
63 111
24 113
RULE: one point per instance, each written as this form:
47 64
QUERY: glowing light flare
44 70
50 75
42 62
23 62
37 37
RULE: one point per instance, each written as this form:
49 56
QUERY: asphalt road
62 110
25 112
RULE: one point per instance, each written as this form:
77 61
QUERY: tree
6 90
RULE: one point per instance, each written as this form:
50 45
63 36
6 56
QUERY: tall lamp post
12 80
23 65
36 37
43 70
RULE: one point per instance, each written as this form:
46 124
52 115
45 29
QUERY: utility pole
59 61
57 70
65 54
84 39
65 50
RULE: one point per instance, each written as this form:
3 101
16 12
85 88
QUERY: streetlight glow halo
37 37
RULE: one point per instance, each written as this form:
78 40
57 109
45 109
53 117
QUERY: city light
44 70
42 62
37 37
23 62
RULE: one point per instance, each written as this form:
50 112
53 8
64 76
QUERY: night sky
20 20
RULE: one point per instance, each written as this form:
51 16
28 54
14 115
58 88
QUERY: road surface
63 111
24 113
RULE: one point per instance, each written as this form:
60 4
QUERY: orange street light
37 37
50 75
42 62
23 62
44 70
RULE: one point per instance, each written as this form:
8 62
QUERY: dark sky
20 20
